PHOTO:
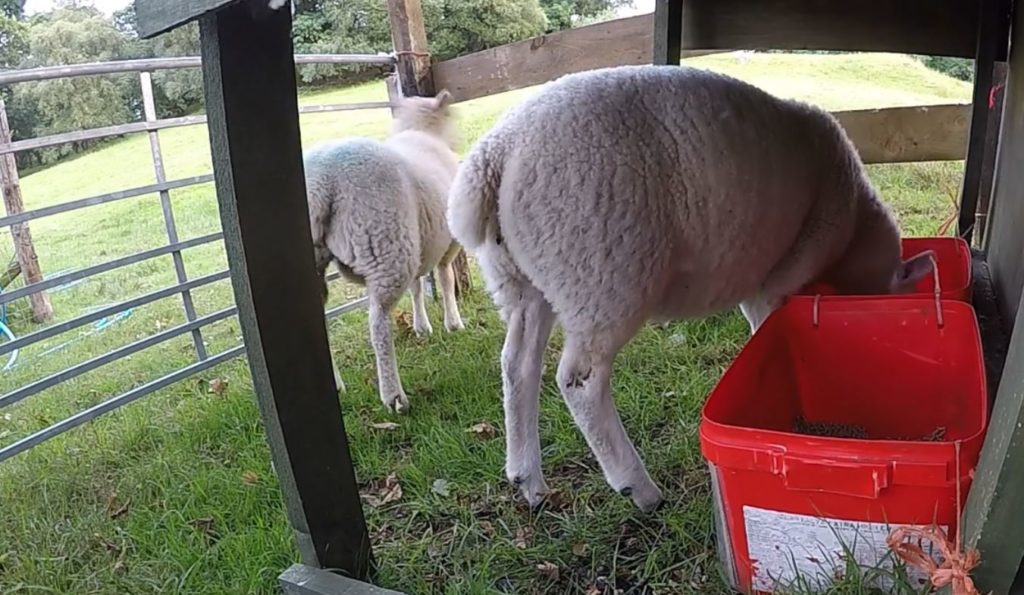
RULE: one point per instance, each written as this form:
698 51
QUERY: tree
472 25
69 36
565 14
12 9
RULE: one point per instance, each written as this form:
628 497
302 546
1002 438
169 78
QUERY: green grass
202 512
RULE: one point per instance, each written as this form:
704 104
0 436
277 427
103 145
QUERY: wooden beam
908 134
24 248
1004 241
541 59
158 16
668 31
988 165
249 83
993 16
944 28
992 521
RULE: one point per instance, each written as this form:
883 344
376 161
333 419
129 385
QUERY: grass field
175 493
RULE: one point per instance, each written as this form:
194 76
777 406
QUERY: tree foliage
75 32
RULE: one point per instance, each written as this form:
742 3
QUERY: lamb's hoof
457 325
341 385
423 330
647 498
533 488
397 403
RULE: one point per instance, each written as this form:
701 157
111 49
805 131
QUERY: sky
109 6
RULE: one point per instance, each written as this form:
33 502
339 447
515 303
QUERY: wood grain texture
250 91
158 16
939 27
668 31
547 57
992 518
908 134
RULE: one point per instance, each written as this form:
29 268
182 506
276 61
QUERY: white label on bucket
784 547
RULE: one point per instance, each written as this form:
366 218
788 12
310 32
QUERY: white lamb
620 195
377 210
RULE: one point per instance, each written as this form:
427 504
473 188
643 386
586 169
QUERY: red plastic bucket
788 503
953 259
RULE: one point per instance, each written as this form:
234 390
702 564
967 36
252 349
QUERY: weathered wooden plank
21 235
158 16
988 166
409 37
249 84
45 73
668 31
945 28
992 39
907 134
300 579
992 519
1004 241
541 59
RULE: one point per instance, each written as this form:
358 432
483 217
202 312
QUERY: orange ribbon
955 569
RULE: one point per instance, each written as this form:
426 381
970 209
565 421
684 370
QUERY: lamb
622 195
377 210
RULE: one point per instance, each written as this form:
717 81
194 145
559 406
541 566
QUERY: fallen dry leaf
385 425
384 492
250 478
403 323
217 386
549 570
580 549
205 525
483 430
523 537
441 487
113 509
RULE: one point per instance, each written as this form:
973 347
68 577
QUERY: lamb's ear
913 270
443 99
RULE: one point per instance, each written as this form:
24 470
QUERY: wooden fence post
24 249
409 36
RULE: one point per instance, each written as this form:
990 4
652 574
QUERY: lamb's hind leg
584 377
388 381
420 322
529 320
452 319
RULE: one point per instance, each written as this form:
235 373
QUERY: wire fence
17 219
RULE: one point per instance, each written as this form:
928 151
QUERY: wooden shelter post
412 54
251 102
992 517
668 31
993 39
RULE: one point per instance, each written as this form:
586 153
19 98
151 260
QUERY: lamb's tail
473 200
